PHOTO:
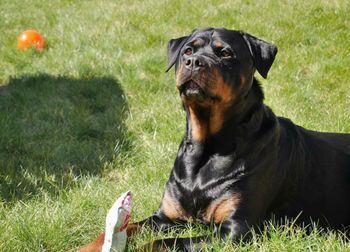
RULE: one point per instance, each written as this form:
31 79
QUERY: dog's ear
174 47
263 53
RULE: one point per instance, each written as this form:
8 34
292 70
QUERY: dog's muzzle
191 90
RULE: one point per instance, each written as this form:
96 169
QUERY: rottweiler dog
238 163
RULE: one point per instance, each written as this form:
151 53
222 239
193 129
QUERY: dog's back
317 178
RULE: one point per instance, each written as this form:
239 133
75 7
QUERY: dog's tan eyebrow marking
218 44
198 42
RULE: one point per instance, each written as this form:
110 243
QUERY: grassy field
94 114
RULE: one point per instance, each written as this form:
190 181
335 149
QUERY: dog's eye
226 54
188 51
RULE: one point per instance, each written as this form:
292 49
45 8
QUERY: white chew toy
116 222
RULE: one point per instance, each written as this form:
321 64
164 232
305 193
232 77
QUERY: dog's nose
194 63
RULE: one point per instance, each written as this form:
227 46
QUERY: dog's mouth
191 90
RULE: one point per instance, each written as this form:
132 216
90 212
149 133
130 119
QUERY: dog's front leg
157 222
233 229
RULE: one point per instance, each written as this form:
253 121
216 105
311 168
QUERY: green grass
95 114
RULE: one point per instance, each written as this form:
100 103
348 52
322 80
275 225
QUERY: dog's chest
209 191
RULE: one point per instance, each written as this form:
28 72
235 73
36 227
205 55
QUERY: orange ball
30 38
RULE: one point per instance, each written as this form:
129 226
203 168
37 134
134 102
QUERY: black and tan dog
238 163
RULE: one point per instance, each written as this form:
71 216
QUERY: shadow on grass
53 129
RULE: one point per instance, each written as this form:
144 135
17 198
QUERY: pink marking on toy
125 223
116 222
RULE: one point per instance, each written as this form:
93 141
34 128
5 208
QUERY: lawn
95 114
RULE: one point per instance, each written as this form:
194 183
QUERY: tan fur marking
223 89
225 92
218 45
198 128
222 208
178 76
216 119
172 209
196 42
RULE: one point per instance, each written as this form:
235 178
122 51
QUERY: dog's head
216 65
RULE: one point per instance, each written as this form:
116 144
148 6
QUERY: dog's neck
226 124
